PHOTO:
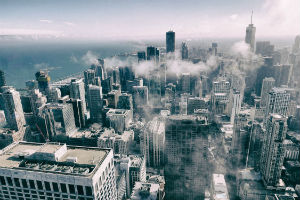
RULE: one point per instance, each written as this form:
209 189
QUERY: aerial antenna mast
251 16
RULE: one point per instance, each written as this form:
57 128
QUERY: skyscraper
95 102
250 35
267 85
170 41
13 108
184 51
278 102
43 80
63 118
77 91
273 149
186 171
153 54
141 56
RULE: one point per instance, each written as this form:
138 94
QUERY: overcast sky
141 19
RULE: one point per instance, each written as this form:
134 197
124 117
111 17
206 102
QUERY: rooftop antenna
251 16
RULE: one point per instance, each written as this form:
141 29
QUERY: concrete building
278 102
78 110
63 122
235 104
13 108
53 94
267 85
264 48
187 167
170 41
119 143
196 103
77 91
273 150
152 142
119 119
140 96
125 101
113 98
145 191
95 103
218 187
56 171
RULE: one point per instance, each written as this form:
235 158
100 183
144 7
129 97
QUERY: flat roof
17 153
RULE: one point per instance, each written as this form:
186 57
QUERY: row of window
46 186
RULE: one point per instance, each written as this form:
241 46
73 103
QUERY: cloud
74 59
46 21
69 23
233 17
90 58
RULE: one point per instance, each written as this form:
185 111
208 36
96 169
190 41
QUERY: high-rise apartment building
278 102
267 85
153 142
13 108
95 102
56 171
63 119
77 91
170 41
273 149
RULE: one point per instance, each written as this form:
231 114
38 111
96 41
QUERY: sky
142 19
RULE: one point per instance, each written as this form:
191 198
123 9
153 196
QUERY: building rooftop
52 157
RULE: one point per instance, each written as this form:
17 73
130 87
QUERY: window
24 183
39 185
2 180
9 181
80 190
47 186
55 187
72 189
63 188
31 183
17 182
88 191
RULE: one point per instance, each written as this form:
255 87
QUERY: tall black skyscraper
170 41
152 53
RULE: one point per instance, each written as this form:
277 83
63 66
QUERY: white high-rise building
13 108
267 85
153 142
77 91
56 171
236 104
273 150
278 102
95 102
